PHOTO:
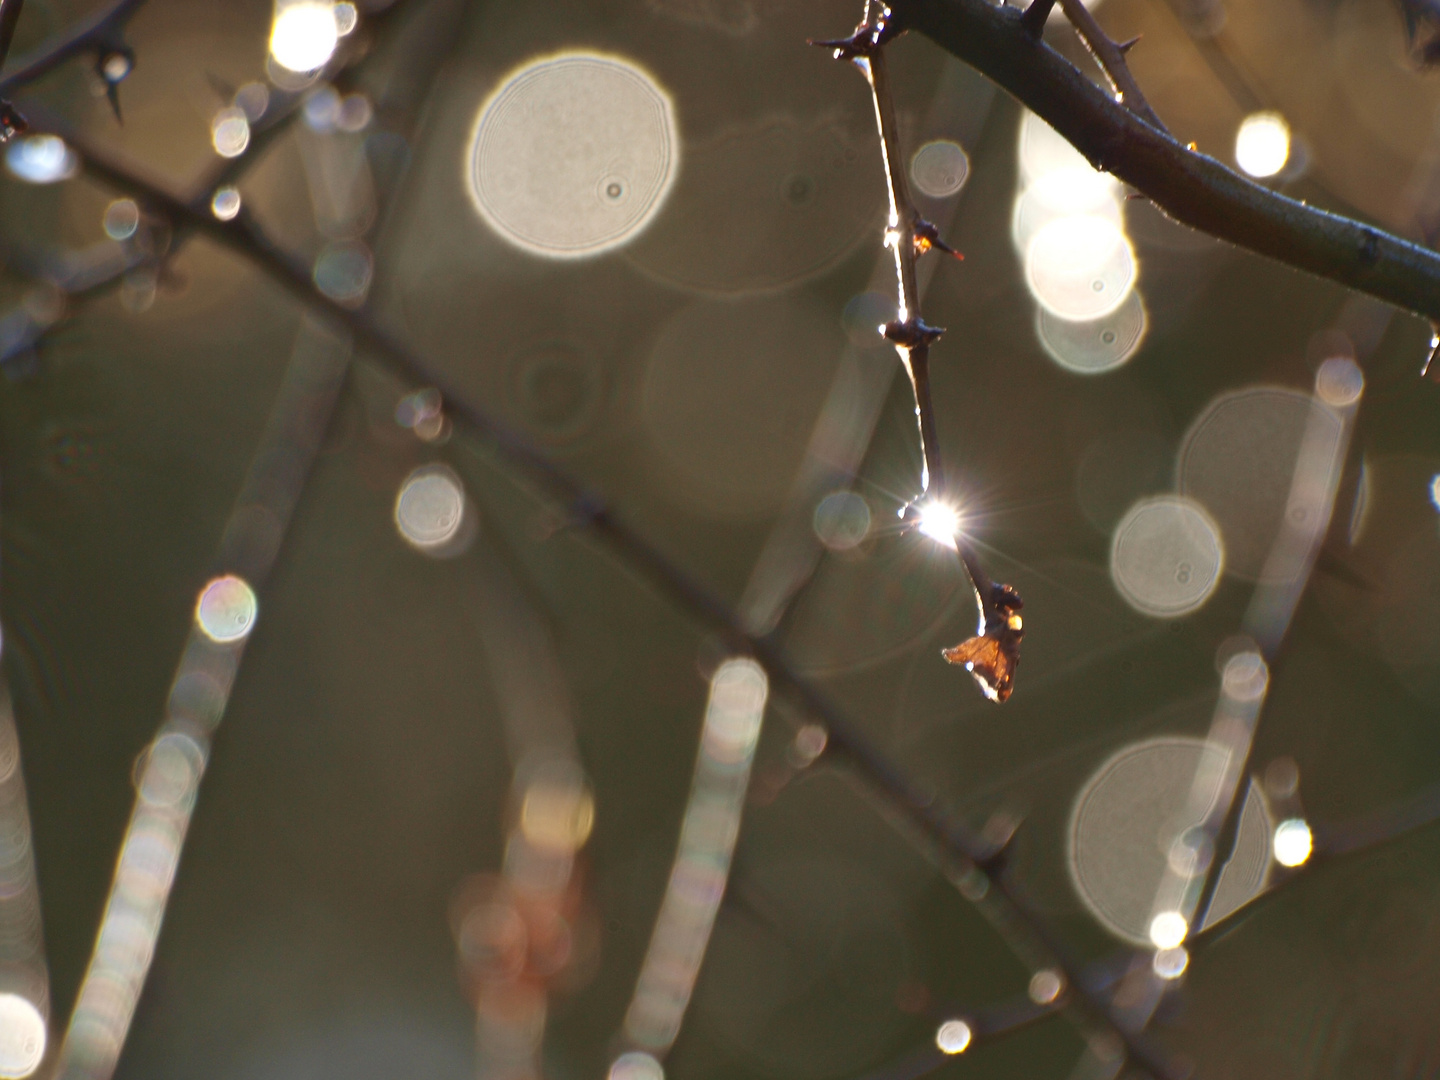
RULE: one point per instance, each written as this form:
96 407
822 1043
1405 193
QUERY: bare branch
955 844
1191 187
103 34
993 654
1110 55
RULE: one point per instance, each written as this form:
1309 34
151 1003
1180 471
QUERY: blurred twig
1195 189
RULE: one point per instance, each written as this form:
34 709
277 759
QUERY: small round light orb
226 609
1435 491
41 159
346 17
1080 267
557 811
939 521
1045 986
573 155
230 132
636 1065
1293 842
430 508
173 766
1245 676
1339 382
304 35
1170 963
1168 930
122 218
115 67
939 168
22 1037
1262 145
842 520
953 1037
343 271
225 204
1097 345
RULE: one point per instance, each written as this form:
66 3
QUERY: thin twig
1110 55
956 843
909 235
1191 187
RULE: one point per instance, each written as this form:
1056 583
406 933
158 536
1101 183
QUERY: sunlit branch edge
1193 188
955 844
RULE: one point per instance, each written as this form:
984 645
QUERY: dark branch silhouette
1193 188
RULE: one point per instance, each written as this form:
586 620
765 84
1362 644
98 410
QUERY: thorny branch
957 846
993 654
1110 55
1193 188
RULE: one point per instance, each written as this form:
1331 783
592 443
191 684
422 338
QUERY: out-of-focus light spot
1045 986
122 218
225 204
172 770
355 113
1282 778
636 1065
1240 459
343 271
810 742
573 155
1293 842
953 1036
322 109
346 17
1245 677
115 67
230 132
1166 557
1097 345
22 1037
1138 823
1339 382
557 811
253 99
1262 145
430 508
1168 930
226 609
1080 267
419 407
1044 150
1170 963
1064 193
41 159
304 35
1435 491
842 520
940 168
939 521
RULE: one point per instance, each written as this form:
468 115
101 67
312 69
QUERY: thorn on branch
926 236
1434 348
867 39
912 333
1126 46
113 65
993 656
11 122
1035 15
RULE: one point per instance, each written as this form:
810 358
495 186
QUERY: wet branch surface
1193 188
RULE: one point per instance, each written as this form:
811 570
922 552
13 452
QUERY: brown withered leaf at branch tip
1422 29
993 656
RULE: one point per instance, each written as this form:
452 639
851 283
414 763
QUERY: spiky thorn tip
927 237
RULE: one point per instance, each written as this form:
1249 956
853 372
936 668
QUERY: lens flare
1262 145
940 522
304 36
